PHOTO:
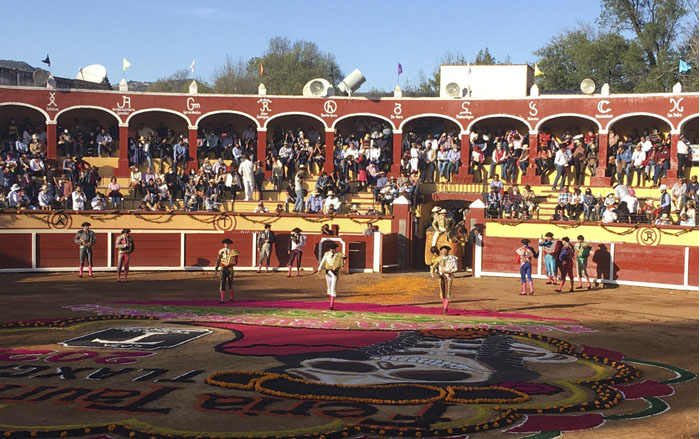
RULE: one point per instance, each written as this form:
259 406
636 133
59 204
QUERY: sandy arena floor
653 325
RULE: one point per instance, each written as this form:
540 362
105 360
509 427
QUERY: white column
377 253
254 263
612 261
109 249
34 251
478 249
686 267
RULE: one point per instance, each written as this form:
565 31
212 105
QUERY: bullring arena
158 356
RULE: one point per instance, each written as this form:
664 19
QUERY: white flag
192 66
126 65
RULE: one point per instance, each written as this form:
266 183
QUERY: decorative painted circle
225 222
60 220
648 236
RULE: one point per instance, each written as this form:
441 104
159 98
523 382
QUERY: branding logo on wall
466 113
192 107
676 107
137 338
329 107
52 105
264 108
123 107
604 110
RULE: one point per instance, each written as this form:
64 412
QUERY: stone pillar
396 152
465 158
599 179
122 169
402 224
192 161
531 178
261 148
51 151
673 170
330 149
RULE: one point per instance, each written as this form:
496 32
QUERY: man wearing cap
85 239
125 247
664 200
525 254
332 261
264 243
226 259
314 204
445 265
295 249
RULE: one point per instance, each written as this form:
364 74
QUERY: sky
159 37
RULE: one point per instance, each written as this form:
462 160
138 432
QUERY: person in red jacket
525 254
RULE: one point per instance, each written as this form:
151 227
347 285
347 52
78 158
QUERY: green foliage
484 57
178 82
287 66
430 86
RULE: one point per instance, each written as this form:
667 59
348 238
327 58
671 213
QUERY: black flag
47 60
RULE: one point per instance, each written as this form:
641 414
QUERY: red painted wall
632 262
153 250
59 250
16 251
201 250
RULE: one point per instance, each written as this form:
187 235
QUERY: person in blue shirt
314 203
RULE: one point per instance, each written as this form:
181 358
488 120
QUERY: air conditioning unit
318 88
455 90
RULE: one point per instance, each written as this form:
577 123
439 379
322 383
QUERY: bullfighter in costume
125 247
295 249
85 238
226 259
266 239
445 265
332 261
525 254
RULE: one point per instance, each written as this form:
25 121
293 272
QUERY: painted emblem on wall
648 236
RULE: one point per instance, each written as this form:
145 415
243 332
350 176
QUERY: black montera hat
227 241
332 245
126 231
85 224
447 247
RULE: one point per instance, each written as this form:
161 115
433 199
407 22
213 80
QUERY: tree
657 26
233 77
484 57
288 66
178 82
581 53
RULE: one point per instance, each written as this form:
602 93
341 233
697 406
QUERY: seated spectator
493 203
690 211
388 194
679 188
164 193
326 230
261 208
529 202
497 184
279 209
314 204
663 220
331 204
15 197
210 204
114 195
99 202
46 198
609 216
589 210
151 201
686 221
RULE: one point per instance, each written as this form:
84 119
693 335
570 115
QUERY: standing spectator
79 198
637 165
180 154
561 163
299 189
579 158
247 171
477 164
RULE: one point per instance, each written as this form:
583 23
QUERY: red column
600 179
465 158
262 146
123 164
396 153
192 162
330 149
51 152
673 170
531 177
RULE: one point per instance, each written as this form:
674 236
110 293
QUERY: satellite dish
40 77
453 90
588 86
318 88
352 82
93 73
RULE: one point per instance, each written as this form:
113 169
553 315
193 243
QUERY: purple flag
400 69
